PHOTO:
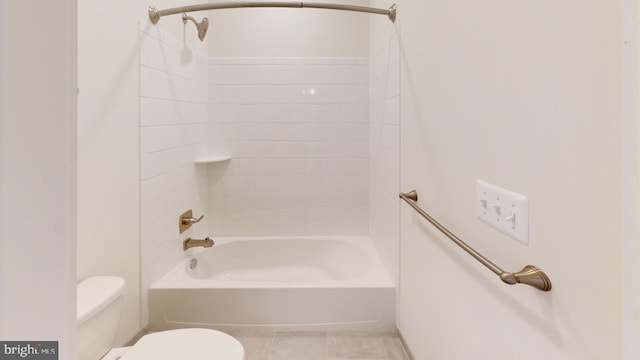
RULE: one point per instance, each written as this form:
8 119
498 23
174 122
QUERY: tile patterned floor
320 345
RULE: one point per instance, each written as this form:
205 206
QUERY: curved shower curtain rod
155 14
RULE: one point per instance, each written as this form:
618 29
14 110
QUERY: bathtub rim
376 277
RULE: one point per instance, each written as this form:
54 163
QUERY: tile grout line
384 348
270 347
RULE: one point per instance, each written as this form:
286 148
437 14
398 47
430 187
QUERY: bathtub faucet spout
189 243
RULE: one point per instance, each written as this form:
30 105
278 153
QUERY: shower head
202 26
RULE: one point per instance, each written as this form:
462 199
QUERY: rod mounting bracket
393 10
529 275
153 14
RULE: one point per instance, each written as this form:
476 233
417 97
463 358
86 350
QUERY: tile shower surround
298 132
173 131
384 150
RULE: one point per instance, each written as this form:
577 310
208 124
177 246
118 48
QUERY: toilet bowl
99 306
192 344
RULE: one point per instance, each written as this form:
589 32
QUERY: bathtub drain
193 263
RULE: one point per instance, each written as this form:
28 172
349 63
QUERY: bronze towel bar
530 275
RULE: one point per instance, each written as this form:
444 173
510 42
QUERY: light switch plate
503 210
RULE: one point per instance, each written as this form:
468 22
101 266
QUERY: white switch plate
504 210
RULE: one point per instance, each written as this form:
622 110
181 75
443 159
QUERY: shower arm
530 275
155 14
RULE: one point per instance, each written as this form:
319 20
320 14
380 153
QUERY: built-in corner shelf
212 159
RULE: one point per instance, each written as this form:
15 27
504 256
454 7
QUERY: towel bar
530 275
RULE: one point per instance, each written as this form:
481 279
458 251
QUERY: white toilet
99 305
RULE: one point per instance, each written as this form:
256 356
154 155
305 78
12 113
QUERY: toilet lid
191 344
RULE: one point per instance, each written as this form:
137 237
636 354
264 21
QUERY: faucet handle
191 220
187 219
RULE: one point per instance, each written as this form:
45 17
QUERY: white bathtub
290 283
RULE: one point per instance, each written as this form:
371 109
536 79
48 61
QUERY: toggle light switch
508 211
483 203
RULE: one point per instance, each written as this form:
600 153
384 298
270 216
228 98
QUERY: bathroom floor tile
256 344
354 358
393 348
299 345
320 345
355 345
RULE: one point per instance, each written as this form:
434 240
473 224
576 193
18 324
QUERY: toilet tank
99 305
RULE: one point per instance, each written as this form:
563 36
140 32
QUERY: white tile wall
173 131
298 132
384 150
315 148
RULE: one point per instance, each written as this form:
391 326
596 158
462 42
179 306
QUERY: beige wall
525 95
37 172
289 32
630 184
108 143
